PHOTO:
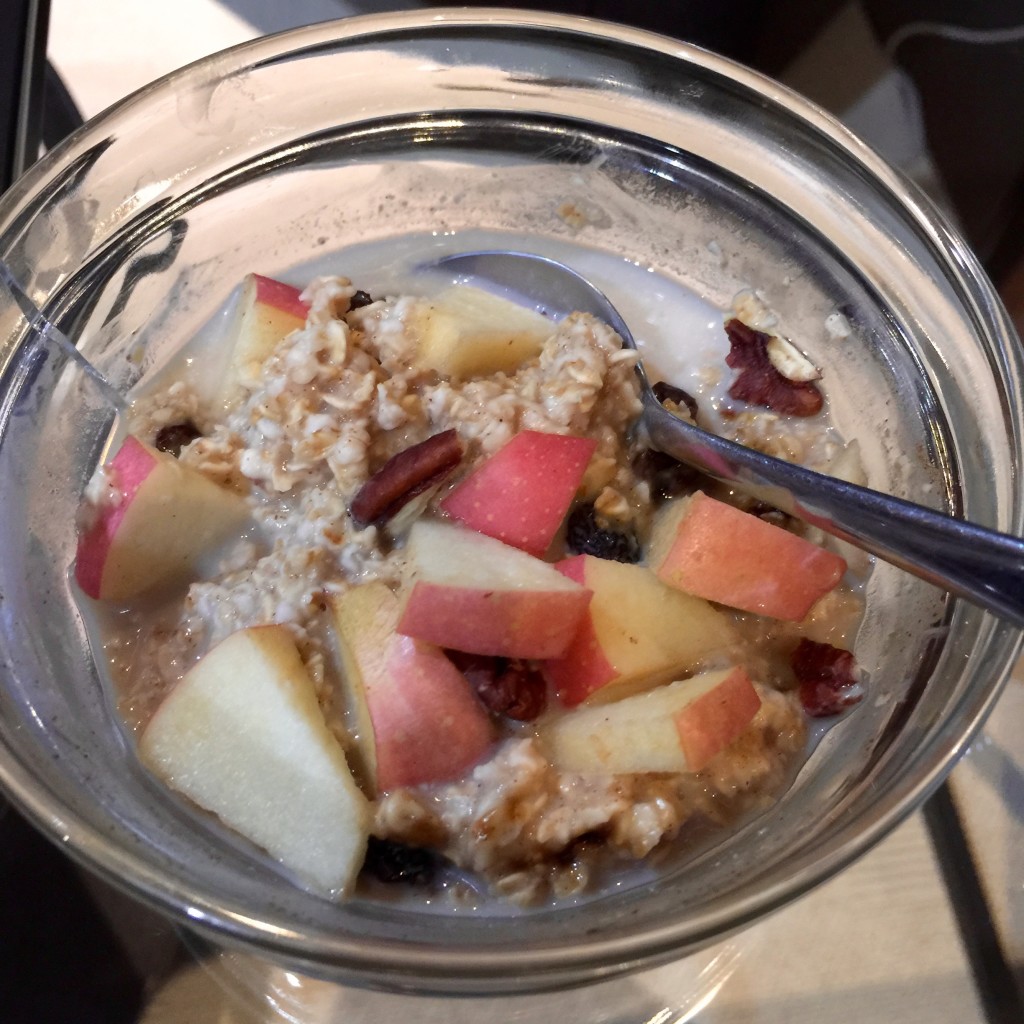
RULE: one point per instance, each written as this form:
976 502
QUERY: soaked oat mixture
329 406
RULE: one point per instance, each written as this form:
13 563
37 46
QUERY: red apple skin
583 669
636 633
718 552
677 727
278 295
415 717
130 467
167 515
428 725
267 311
716 719
473 593
504 623
520 495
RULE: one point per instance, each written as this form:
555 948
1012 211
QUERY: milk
679 333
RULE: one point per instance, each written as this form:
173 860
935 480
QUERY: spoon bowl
971 561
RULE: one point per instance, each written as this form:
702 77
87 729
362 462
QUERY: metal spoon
982 565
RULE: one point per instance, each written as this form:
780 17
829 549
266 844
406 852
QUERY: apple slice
266 311
520 495
722 554
472 593
636 633
161 516
242 735
418 719
467 332
675 728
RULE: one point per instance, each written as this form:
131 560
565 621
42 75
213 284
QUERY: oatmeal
477 612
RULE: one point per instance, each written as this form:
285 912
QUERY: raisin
666 477
585 536
391 862
827 678
518 692
759 382
505 686
176 436
359 299
665 392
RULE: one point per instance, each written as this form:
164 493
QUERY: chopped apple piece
711 549
467 332
158 517
418 719
473 593
242 735
520 495
636 633
267 311
679 727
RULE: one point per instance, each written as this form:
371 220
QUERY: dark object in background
35 106
22 59
967 61
729 27
59 962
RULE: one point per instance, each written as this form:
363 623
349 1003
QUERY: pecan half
759 382
405 475
827 678
790 361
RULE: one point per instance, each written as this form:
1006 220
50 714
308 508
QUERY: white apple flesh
242 735
467 332
474 594
636 633
417 719
678 727
159 517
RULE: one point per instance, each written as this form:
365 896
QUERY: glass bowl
563 135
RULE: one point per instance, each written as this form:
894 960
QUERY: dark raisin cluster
584 535
176 436
360 299
392 862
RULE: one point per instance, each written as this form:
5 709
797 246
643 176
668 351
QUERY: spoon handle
982 565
